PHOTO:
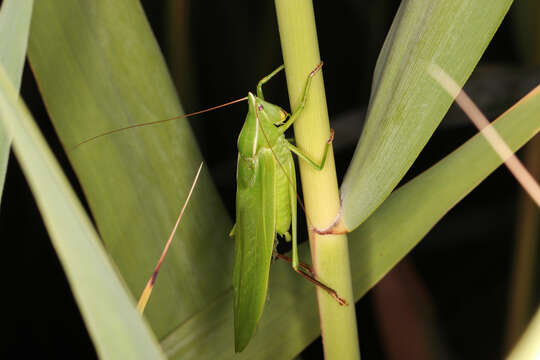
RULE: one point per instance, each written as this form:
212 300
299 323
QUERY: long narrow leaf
107 308
99 68
406 105
14 28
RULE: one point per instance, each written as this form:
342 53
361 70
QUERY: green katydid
265 202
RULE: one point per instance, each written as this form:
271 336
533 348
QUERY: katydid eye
260 107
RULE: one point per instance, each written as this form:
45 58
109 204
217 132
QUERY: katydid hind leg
328 289
292 200
301 269
301 264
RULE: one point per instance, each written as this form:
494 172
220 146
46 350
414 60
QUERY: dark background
462 267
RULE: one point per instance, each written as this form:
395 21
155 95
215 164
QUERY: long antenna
157 122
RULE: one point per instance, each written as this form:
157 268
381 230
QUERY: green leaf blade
15 18
412 210
99 68
116 328
406 105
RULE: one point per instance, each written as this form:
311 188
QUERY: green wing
254 240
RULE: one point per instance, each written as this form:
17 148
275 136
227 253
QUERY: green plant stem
330 253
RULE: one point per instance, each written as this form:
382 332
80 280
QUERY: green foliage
112 74
99 68
406 105
117 329
14 27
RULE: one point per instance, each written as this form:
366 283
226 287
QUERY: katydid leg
295 262
329 290
265 79
301 264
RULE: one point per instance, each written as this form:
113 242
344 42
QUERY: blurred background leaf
15 18
528 346
111 318
523 292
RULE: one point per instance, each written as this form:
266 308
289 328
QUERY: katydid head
267 111
259 129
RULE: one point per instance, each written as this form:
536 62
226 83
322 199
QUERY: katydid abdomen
286 203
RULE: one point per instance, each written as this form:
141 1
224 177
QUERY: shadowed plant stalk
523 278
522 281
330 253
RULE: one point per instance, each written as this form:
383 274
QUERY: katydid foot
301 270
